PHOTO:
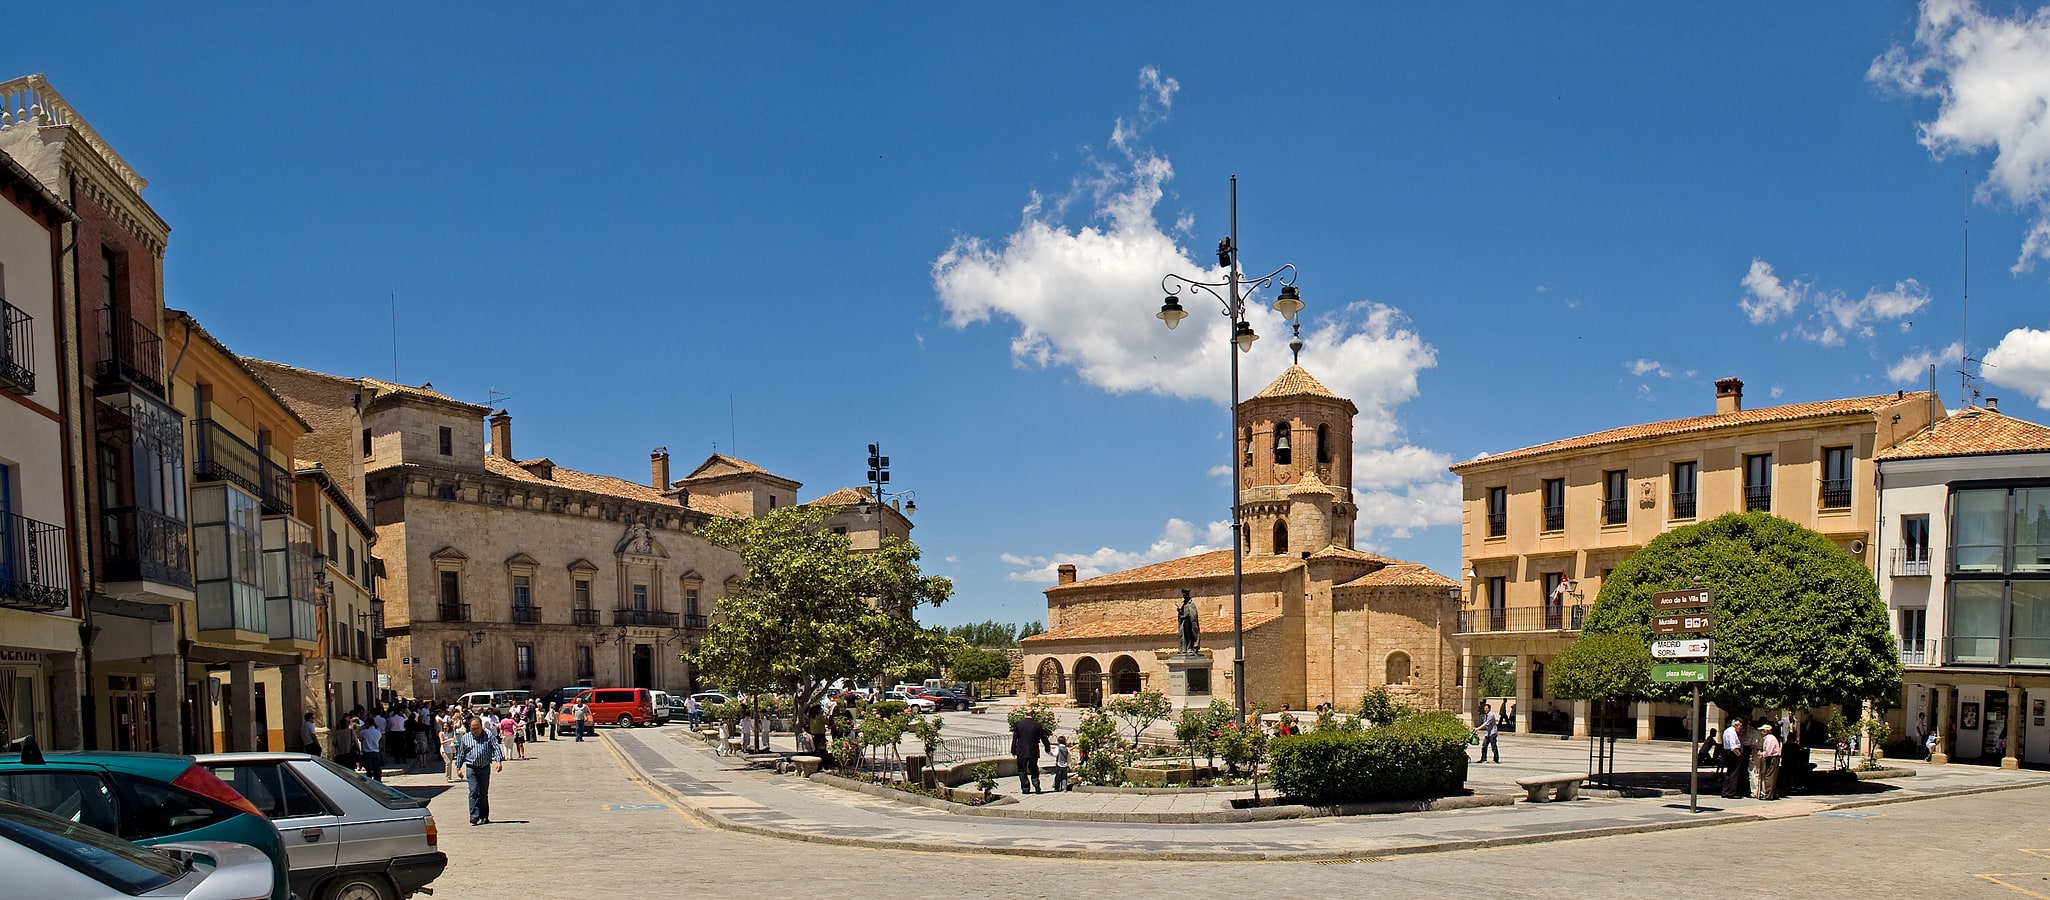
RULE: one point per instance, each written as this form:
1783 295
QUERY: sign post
1682 613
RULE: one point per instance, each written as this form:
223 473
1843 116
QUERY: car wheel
359 887
626 721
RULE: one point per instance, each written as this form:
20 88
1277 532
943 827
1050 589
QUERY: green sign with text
1681 672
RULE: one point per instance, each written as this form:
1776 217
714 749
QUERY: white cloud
1834 316
1643 367
1991 77
1219 471
2022 361
1178 538
1084 298
1404 512
1777 391
1914 367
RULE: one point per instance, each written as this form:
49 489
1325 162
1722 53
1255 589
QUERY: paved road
573 821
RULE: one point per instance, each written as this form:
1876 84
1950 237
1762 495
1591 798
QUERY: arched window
1281 454
1323 443
1280 538
1249 445
1050 680
1088 682
1124 675
1398 668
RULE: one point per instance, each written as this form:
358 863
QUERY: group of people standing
394 735
1754 755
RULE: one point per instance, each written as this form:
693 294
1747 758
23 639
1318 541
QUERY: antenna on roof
496 397
1969 382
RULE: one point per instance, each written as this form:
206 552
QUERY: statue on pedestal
1191 625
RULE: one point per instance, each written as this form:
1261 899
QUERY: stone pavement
724 792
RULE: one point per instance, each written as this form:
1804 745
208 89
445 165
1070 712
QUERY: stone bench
806 765
1563 786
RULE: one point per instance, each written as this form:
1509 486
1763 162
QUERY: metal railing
1683 504
526 615
1555 517
142 545
583 616
1836 493
696 622
972 749
17 350
34 573
221 456
277 489
1615 511
1918 653
1913 564
653 617
1550 617
136 357
453 612
1758 498
1498 524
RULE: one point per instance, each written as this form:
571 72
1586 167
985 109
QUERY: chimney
1729 395
1993 404
1067 575
658 465
501 434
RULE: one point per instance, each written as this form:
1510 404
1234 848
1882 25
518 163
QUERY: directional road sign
1682 623
1677 601
1694 671
1682 648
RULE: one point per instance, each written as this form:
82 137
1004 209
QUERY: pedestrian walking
507 731
692 711
448 750
476 751
309 736
1768 764
1027 739
1753 743
1734 775
1490 731
371 742
581 713
1060 764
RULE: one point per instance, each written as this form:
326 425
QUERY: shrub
1039 708
886 708
1379 708
927 730
1197 729
1139 711
1240 745
1420 755
1104 752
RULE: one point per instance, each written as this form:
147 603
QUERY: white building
1964 567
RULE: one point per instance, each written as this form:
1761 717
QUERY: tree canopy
991 633
811 611
1798 622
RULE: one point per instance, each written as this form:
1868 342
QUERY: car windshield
107 859
386 796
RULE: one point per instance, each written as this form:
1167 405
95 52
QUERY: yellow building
1541 527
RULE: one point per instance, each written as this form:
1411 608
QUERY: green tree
987 633
1028 629
1139 711
1603 666
811 612
1798 622
1497 676
976 664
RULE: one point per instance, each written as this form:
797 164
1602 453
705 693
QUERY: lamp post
1236 288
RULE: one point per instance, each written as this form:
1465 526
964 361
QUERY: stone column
1470 686
67 715
1580 723
1941 722
242 700
170 694
1644 720
2015 709
1523 686
292 707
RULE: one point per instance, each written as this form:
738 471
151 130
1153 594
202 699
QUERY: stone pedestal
1188 678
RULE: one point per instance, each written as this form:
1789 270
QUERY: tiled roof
1293 382
577 481
1336 552
1973 431
1401 574
423 392
846 496
721 460
1693 424
715 506
1142 628
192 326
1203 565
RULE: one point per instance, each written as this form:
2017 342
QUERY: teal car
148 798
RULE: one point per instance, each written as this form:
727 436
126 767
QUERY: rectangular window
1975 622
288 578
448 441
1912 558
523 592
1555 504
2032 530
585 670
366 443
1498 511
690 601
2028 642
453 609
1615 497
1914 636
1978 531
1758 482
1836 477
1498 603
640 596
452 662
227 557
1683 489
523 661
581 594
350 554
1555 599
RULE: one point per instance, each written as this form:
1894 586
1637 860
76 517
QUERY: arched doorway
1088 682
1398 668
1050 680
1124 675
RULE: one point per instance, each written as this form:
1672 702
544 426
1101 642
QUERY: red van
625 707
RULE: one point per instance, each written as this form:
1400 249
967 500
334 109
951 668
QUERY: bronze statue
1191 625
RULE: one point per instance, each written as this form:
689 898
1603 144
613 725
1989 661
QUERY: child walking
1060 764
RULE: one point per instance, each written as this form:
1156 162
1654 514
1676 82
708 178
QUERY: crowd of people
1761 757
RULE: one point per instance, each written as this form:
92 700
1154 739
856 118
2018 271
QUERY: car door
310 828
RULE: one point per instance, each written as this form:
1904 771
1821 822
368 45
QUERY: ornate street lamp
1236 288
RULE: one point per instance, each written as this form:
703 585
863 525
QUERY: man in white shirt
309 736
371 741
1733 751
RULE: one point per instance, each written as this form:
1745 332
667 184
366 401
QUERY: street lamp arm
1174 284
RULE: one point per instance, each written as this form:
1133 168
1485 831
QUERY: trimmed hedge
1414 757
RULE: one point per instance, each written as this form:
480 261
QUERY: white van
496 699
665 707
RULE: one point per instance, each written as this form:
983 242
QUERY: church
1323 622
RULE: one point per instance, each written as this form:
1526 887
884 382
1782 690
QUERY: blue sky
942 227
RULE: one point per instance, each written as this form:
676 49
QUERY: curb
1209 817
716 820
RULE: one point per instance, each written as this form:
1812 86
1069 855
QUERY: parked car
147 798
625 707
707 698
912 701
663 711
945 698
346 836
493 699
53 858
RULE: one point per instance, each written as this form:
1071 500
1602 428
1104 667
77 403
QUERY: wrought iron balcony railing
453 612
696 622
1683 504
277 489
17 350
526 615
583 616
141 545
1498 524
135 358
1918 653
34 572
1555 518
653 617
1615 511
1550 617
1912 564
1836 493
221 456
1758 498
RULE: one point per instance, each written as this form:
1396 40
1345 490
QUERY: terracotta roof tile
577 481
1216 563
1401 574
1336 552
846 496
423 392
1973 432
1140 628
1294 381
1693 424
739 466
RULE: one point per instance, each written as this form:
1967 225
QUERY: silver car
346 837
54 858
